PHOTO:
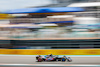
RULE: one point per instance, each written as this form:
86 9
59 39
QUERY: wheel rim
39 59
63 59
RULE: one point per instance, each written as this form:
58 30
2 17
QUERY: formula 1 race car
52 58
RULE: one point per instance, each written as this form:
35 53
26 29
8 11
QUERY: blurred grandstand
53 30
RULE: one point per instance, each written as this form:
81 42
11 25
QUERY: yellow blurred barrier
51 51
5 16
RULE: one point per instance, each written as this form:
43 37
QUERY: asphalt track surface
32 60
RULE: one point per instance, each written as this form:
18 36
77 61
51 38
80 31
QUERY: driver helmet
50 54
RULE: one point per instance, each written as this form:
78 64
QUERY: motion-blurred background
75 28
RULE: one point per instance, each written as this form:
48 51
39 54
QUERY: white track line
47 65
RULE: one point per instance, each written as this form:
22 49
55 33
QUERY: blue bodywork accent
45 10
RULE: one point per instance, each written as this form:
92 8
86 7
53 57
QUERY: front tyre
63 59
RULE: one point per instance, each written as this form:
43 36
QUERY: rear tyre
37 58
40 60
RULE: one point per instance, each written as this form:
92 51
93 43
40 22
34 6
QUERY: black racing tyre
40 60
37 58
63 59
